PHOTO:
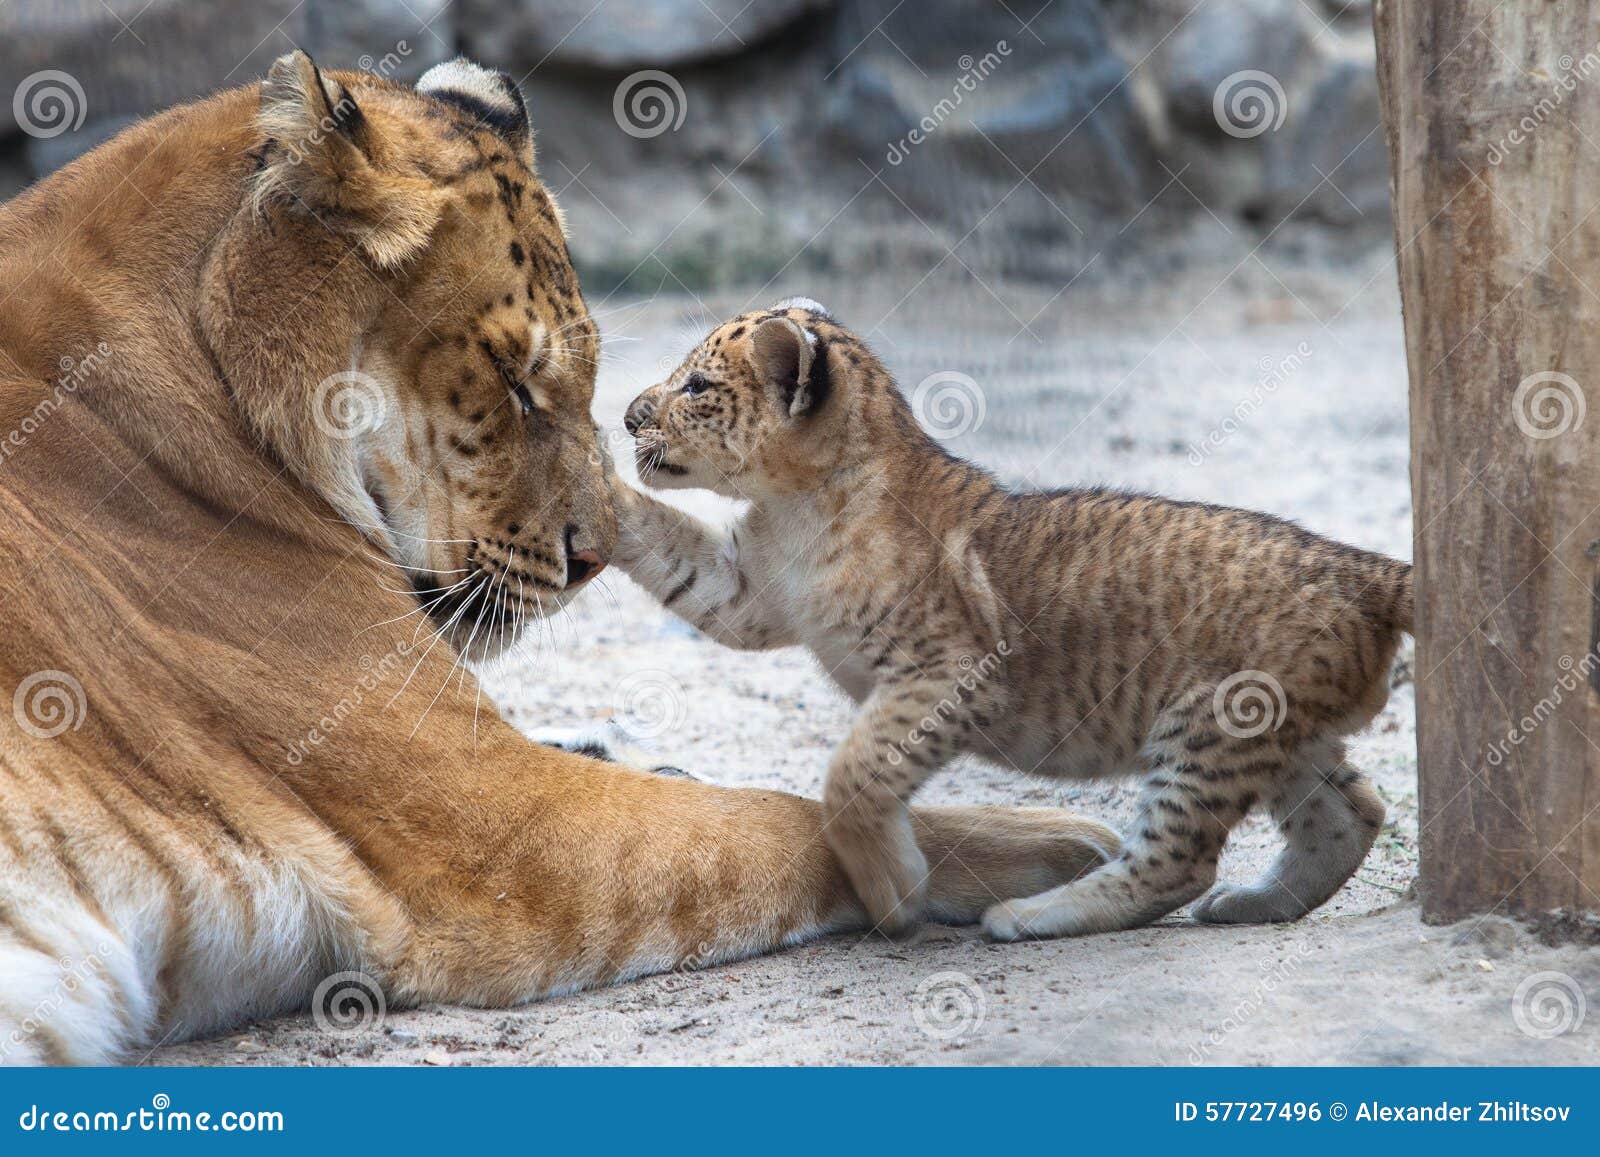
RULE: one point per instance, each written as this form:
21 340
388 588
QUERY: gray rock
399 39
1332 163
622 33
1218 42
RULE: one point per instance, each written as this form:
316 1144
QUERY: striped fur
1220 653
240 758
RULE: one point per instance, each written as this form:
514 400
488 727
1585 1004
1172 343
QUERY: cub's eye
696 385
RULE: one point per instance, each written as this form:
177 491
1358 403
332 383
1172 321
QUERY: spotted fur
1220 653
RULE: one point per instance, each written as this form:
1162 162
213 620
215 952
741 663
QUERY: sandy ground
1263 384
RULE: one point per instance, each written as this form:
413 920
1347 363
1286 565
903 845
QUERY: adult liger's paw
608 741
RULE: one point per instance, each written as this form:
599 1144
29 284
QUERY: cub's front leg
696 572
905 732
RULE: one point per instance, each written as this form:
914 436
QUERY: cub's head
756 409
395 314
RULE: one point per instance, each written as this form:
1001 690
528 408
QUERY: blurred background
712 142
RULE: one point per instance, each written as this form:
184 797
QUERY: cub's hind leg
1329 815
1204 780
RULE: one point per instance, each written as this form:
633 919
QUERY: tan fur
1080 633
277 770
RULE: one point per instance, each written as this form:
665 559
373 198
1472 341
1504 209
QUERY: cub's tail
1397 580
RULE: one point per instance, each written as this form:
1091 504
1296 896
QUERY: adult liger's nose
583 563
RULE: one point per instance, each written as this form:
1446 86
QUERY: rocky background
698 142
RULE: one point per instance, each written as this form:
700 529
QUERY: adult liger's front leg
579 873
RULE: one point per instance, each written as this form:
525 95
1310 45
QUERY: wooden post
1493 120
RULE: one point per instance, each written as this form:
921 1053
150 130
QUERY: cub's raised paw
609 742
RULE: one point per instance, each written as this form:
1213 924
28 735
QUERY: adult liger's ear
323 161
787 359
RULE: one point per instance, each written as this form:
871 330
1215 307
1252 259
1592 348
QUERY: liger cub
1221 654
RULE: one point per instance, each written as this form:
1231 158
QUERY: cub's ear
793 362
323 162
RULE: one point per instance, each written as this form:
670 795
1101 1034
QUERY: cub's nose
641 413
582 563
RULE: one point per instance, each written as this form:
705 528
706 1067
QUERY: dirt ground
1274 383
